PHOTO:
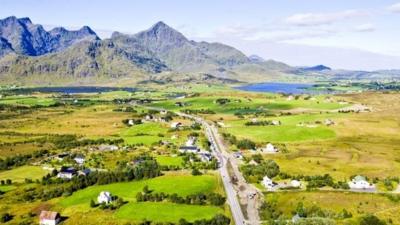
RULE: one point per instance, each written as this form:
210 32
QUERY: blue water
285 88
75 90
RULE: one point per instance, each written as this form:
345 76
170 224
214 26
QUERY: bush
371 220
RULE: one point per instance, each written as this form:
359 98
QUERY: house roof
49 215
359 178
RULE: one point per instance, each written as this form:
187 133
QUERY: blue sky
350 34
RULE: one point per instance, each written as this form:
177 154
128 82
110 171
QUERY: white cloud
395 8
316 19
368 27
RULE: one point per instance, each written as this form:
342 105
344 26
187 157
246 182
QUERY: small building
189 149
80 159
149 117
108 148
268 183
290 98
84 172
131 122
295 183
205 156
360 182
163 112
104 197
276 122
49 218
270 148
176 125
191 141
329 122
66 173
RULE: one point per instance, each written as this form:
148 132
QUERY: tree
196 172
5 217
92 204
371 220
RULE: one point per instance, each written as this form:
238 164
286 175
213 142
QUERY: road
243 190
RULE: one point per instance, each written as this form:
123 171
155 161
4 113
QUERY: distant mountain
5 47
256 59
30 39
316 68
30 55
179 53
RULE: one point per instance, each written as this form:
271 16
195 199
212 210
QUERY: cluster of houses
69 172
190 147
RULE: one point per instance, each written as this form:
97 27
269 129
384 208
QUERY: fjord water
286 88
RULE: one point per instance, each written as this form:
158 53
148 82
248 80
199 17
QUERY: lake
286 88
74 90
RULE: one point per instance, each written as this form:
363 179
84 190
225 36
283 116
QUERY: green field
146 133
28 101
164 211
179 183
174 183
20 173
169 160
289 131
356 203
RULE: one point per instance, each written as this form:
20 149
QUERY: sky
343 34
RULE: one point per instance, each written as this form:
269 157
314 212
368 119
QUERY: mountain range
30 55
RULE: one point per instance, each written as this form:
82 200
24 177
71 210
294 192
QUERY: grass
176 182
287 132
169 160
180 184
161 212
19 174
146 133
6 188
27 100
356 203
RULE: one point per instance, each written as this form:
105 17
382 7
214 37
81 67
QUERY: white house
191 141
205 156
329 122
49 218
268 183
295 183
270 148
79 159
276 122
66 173
130 122
104 197
360 182
189 149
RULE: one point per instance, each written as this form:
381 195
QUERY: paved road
225 158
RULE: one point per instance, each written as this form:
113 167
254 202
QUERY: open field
169 160
19 174
179 183
161 212
356 203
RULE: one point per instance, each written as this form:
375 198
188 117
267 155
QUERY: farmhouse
360 182
189 149
329 122
104 197
49 218
270 149
295 183
238 155
66 173
268 183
